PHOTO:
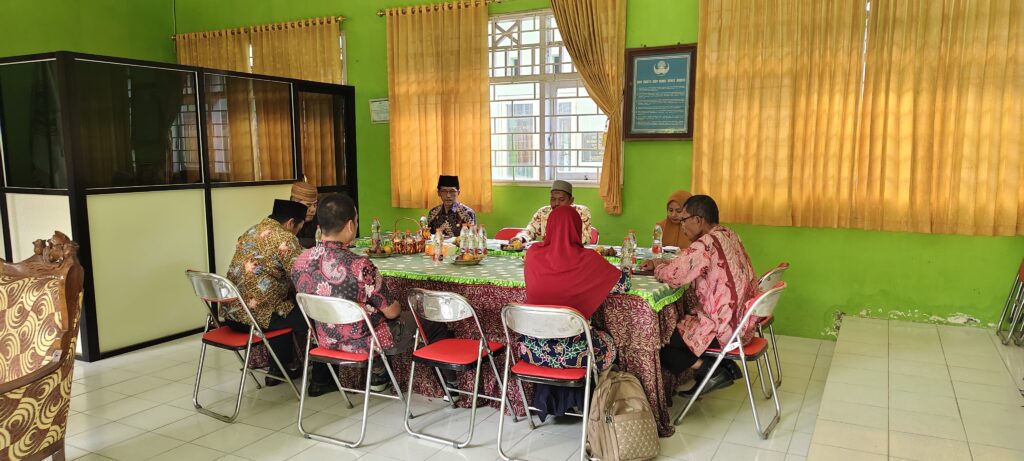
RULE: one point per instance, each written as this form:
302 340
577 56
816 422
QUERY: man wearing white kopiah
561 195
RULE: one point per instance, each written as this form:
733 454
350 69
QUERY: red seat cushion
752 349
228 338
765 321
339 355
455 351
566 374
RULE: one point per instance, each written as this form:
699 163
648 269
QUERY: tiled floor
138 406
885 389
902 390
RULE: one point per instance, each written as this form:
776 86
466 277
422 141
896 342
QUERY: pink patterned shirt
720 272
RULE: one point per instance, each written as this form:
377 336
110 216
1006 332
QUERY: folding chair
508 233
212 289
762 306
767 281
335 311
545 322
449 353
1013 310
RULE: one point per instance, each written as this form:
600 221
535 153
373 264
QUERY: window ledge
585 185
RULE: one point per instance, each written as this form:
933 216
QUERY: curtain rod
381 12
243 28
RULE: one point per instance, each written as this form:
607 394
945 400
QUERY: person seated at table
671 226
305 193
561 195
561 271
722 281
451 214
263 257
331 269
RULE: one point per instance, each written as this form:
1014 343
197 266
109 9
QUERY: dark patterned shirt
263 257
455 217
330 269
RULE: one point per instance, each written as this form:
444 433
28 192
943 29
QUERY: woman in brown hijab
672 225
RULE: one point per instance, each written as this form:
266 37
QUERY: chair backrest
769 279
507 233
594 235
328 309
764 304
439 306
42 295
212 288
1020 272
544 322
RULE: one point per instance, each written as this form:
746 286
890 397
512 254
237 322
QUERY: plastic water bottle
375 232
628 257
438 255
483 241
656 242
632 247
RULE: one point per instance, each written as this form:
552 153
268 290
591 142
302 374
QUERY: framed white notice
379 111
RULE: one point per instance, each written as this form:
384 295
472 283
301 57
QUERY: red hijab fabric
560 271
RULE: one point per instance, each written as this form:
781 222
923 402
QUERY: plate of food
466 259
606 251
515 245
671 249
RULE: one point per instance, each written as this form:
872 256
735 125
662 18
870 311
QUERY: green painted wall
833 270
139 29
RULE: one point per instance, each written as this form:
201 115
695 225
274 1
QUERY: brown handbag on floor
622 426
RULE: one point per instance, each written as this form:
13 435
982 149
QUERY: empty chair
762 306
1013 310
767 281
212 289
337 311
546 322
456 354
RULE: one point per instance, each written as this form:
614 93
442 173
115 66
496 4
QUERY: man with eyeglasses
306 194
450 215
722 281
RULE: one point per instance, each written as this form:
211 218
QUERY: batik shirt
330 269
458 215
539 224
263 258
719 270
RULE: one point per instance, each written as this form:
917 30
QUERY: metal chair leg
763 433
760 376
238 398
1013 307
775 352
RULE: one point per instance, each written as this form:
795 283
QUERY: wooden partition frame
77 193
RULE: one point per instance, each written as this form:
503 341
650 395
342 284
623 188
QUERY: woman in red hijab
560 271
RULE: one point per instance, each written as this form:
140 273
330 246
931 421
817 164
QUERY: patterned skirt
568 352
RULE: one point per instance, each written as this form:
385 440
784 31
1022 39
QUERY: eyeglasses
448 191
688 217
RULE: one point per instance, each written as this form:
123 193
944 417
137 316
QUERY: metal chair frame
545 322
213 289
1013 311
762 306
767 281
326 309
444 307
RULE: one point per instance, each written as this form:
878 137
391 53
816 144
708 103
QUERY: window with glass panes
544 125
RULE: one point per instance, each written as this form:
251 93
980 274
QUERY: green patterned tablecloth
504 271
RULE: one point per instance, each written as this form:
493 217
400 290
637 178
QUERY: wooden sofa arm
45 370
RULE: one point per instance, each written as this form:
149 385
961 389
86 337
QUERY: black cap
287 209
447 181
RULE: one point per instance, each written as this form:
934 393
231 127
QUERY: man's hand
392 311
651 264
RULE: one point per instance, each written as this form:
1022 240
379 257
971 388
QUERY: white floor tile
944 427
731 452
688 448
990 453
921 385
188 452
233 437
102 437
924 403
830 453
850 436
924 448
322 451
852 413
143 446
191 427
275 447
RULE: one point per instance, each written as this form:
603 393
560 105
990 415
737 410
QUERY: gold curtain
229 50
939 142
438 88
784 137
594 32
308 49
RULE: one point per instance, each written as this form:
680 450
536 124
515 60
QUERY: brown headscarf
673 233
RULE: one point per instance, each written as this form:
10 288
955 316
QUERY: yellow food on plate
517 245
599 249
